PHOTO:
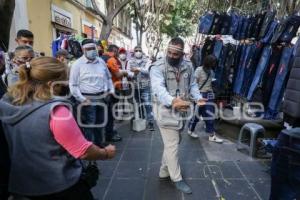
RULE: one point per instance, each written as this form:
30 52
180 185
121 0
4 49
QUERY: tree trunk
141 38
7 8
106 30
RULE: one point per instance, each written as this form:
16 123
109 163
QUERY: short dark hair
210 62
137 47
177 41
87 41
24 33
113 48
62 52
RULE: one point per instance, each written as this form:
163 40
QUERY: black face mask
100 52
174 62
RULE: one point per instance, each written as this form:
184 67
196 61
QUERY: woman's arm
67 133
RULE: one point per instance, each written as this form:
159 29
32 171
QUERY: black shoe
151 126
115 138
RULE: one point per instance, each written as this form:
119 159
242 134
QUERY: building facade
49 19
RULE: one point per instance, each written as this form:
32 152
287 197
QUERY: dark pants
144 101
80 191
207 112
93 118
285 169
109 128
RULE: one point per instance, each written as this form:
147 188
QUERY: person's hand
180 104
111 151
125 73
135 70
201 102
86 101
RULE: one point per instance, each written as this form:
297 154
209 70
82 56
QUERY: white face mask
91 54
122 56
138 55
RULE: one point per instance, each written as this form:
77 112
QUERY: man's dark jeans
111 101
285 169
93 118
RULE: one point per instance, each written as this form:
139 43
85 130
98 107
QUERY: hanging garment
234 23
279 31
270 74
56 45
75 48
206 22
64 44
227 19
291 28
268 19
219 69
268 36
259 21
236 62
241 21
261 67
217 24
280 83
222 71
208 47
239 68
251 27
218 45
196 57
250 50
250 68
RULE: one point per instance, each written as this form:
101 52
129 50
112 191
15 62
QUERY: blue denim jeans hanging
280 82
251 68
291 29
218 48
206 22
236 86
260 70
267 38
234 23
240 77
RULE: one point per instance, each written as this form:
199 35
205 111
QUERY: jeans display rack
254 55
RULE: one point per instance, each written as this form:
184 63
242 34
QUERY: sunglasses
138 51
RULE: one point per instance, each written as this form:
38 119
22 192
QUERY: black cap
87 41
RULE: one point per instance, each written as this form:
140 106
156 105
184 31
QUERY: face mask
91 54
100 52
173 61
138 54
122 56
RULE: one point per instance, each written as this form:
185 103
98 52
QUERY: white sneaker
193 134
215 139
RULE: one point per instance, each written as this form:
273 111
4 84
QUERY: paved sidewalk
133 173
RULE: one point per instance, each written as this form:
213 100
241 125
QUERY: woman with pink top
44 141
